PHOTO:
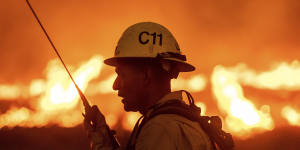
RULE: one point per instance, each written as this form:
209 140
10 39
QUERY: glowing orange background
260 34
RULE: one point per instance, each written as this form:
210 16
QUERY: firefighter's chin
128 106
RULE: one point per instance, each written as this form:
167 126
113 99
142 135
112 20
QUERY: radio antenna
86 104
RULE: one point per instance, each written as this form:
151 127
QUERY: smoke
209 32
227 32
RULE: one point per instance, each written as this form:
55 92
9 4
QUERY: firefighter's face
130 86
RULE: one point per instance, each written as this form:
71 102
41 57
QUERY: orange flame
58 97
242 115
61 93
195 84
106 85
13 117
111 119
283 76
130 120
10 91
37 87
291 115
202 106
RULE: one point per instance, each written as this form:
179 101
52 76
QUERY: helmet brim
182 65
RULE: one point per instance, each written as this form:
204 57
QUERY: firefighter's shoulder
171 131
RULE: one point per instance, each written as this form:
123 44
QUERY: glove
97 130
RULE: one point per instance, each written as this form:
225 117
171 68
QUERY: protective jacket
169 131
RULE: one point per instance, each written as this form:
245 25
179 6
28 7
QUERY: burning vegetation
246 54
54 100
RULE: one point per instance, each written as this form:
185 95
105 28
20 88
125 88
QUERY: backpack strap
212 126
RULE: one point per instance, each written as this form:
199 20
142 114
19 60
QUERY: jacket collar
170 96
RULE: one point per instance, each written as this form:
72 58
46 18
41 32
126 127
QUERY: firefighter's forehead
127 67
124 67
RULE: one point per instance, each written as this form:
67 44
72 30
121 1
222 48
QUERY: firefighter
146 58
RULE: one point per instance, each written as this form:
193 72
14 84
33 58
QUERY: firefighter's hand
97 130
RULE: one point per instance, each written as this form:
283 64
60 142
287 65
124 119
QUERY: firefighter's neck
154 93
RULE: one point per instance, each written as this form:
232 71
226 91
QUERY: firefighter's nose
117 84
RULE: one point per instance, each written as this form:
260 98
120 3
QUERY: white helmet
148 40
